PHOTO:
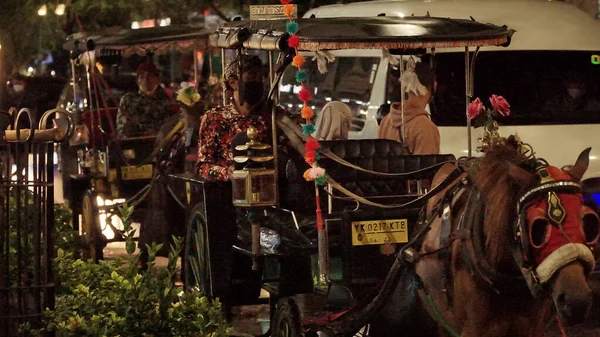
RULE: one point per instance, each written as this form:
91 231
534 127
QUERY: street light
60 9
43 10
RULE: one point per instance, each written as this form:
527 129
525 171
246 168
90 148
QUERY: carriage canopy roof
156 39
363 33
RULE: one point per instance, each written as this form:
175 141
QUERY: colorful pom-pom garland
315 173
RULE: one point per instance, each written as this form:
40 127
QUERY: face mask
146 90
18 87
574 92
253 92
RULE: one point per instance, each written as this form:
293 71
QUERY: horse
510 239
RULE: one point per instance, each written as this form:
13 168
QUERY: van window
348 79
542 87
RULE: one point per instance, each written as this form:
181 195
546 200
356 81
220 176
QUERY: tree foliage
23 34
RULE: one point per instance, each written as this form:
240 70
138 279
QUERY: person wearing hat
220 125
142 113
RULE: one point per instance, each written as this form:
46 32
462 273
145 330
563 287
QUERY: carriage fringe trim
321 46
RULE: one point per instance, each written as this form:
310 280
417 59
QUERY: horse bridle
521 244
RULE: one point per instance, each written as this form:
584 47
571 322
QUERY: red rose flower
501 105
475 109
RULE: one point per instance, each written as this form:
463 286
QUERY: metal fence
27 217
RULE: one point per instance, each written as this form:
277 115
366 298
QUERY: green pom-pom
291 27
321 180
300 76
308 129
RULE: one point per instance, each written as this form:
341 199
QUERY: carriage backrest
378 155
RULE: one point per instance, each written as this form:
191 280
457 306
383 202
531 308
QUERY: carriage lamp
254 185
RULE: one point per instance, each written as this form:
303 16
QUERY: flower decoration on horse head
482 116
188 95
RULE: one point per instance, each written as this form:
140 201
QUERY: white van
551 57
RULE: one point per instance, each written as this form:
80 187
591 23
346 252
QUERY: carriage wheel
197 253
286 319
93 242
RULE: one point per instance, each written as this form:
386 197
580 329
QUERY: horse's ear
581 165
522 176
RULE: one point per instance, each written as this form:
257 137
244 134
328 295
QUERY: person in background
334 122
574 102
422 135
142 113
20 97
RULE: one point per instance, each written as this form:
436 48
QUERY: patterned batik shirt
142 115
217 129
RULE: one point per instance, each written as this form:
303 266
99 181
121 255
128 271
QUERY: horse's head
554 235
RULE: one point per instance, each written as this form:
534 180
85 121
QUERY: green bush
116 298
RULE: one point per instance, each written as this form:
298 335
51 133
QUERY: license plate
135 172
378 232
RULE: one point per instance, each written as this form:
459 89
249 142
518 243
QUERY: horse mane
500 192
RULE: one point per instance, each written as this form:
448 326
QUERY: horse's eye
539 232
590 226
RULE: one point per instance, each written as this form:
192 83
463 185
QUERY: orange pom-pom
306 176
288 10
298 61
311 145
310 157
307 112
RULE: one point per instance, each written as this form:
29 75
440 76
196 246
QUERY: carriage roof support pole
468 95
223 75
469 85
209 51
74 79
274 125
88 70
196 67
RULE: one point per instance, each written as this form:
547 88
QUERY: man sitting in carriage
143 113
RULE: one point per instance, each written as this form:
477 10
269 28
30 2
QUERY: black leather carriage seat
379 155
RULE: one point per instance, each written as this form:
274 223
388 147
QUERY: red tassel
304 95
294 41
285 2
311 145
310 157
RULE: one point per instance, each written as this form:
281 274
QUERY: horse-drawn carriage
337 273
99 169
374 260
